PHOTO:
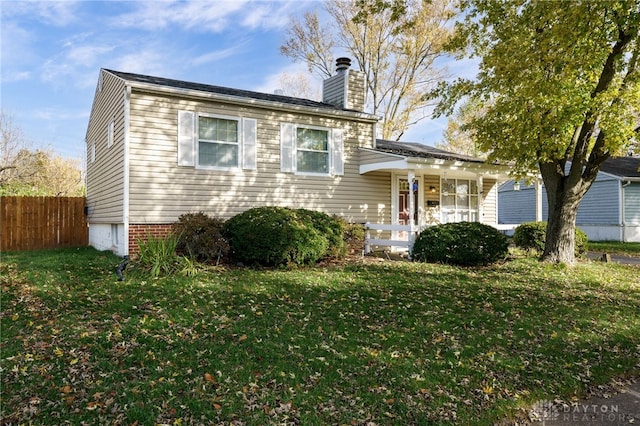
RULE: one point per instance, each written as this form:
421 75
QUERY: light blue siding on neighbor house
609 211
520 206
632 203
601 204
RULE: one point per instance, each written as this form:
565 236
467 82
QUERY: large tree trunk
563 196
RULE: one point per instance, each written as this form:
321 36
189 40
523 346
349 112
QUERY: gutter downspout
125 193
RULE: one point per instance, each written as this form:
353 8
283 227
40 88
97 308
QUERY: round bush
533 235
201 237
276 236
461 243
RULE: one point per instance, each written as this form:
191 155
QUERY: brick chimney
346 88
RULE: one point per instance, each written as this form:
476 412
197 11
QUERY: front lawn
615 247
365 343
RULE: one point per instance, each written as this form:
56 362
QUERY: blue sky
52 52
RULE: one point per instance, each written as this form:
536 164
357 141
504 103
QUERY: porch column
411 175
538 187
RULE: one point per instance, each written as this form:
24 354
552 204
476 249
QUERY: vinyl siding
632 204
600 205
356 93
490 203
105 175
369 157
160 190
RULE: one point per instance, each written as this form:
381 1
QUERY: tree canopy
25 171
397 52
561 88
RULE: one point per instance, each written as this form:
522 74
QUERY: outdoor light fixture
516 185
432 188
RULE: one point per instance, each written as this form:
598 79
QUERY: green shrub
331 227
201 238
533 235
462 243
276 236
158 255
354 234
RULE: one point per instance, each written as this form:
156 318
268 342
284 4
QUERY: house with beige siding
158 148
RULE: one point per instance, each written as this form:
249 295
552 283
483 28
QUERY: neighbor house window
312 150
459 200
218 142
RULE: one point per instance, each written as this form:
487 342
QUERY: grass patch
615 247
388 343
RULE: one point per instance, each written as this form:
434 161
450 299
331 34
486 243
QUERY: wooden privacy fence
33 223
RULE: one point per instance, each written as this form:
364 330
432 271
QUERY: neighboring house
158 148
609 211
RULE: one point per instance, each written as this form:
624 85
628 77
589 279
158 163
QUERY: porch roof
403 156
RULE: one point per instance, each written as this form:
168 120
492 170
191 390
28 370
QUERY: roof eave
243 101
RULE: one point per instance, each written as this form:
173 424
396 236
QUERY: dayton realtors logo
549 411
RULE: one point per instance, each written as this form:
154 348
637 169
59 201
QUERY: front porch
429 187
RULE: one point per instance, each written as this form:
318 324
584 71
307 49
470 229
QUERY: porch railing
411 230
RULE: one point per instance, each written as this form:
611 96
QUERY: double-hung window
218 142
310 150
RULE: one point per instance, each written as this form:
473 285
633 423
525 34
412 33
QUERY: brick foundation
140 232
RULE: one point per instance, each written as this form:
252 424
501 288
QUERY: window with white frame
459 200
311 150
218 142
110 130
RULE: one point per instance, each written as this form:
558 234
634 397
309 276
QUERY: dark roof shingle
412 149
622 166
227 91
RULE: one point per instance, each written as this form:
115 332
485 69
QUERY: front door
405 191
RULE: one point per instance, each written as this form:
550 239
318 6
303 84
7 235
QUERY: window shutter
249 143
337 152
287 147
186 138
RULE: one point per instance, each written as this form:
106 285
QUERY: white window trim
110 133
329 150
456 210
238 143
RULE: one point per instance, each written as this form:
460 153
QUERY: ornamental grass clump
462 243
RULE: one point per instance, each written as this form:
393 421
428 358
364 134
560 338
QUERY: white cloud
216 55
209 16
56 13
149 62
205 16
